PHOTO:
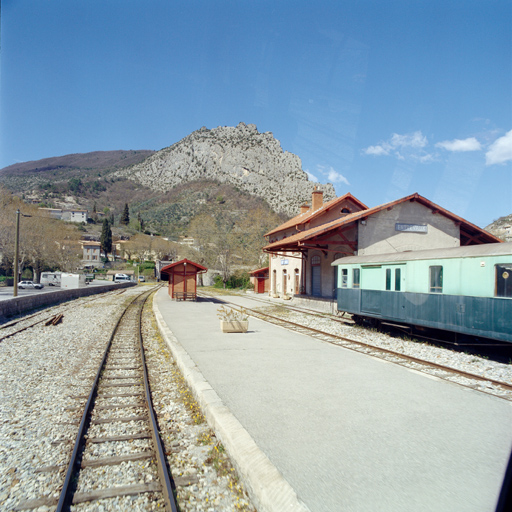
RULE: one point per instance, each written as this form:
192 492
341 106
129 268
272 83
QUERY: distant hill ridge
241 156
95 160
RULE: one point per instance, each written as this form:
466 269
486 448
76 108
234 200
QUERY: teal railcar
465 290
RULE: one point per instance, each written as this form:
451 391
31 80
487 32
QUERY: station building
302 249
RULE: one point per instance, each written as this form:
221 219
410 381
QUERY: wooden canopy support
325 249
470 239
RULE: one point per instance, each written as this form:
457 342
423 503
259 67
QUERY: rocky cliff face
251 161
502 228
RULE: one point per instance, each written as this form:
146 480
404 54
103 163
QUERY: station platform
313 426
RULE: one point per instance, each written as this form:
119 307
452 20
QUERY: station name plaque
411 228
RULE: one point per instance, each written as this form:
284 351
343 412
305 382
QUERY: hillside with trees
44 243
223 187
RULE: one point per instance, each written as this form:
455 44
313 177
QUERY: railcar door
371 289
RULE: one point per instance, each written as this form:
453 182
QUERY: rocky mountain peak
502 228
251 161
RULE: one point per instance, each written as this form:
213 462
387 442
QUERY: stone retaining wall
19 305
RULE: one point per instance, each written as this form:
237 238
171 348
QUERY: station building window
436 279
504 280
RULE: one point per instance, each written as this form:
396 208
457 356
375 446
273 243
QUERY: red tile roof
469 232
308 216
264 269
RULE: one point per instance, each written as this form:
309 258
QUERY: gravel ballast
44 374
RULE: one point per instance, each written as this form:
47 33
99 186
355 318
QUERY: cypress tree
125 217
106 238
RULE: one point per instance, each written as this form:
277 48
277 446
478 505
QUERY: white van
50 278
121 278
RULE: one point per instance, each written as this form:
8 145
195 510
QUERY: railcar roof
468 251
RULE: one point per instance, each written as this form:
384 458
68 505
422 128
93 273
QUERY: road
6 292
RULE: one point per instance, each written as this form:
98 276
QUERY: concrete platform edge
268 489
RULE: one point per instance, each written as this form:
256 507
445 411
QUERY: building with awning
302 249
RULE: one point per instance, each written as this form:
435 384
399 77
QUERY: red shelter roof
183 279
169 268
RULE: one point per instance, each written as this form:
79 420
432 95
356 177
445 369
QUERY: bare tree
139 247
163 249
205 231
43 242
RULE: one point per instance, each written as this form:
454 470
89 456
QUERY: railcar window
355 278
397 279
504 280
344 277
388 279
436 279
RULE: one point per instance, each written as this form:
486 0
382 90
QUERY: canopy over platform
182 277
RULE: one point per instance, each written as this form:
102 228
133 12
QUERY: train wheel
358 320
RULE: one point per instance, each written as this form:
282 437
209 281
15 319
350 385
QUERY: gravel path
42 372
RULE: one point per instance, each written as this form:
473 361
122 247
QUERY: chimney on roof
317 199
304 208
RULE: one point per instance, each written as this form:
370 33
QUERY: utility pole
16 254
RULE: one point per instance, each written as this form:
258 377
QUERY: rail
68 494
390 355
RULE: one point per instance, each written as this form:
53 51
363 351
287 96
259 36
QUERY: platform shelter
182 277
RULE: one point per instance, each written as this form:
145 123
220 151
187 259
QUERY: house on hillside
91 253
67 215
301 250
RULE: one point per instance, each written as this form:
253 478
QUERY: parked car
30 284
142 279
121 278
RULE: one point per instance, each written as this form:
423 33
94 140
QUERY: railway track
117 426
346 319
27 322
474 381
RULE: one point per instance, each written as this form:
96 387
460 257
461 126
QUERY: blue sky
381 98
